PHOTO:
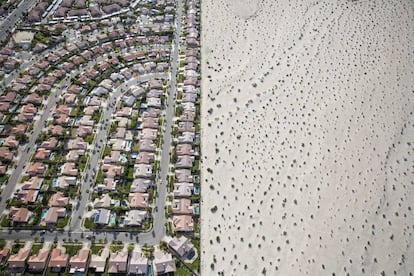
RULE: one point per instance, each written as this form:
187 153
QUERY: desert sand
307 137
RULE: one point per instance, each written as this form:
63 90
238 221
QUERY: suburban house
181 246
182 206
183 223
101 216
138 264
79 262
138 200
183 189
118 262
38 262
163 263
18 261
58 259
98 262
53 214
135 217
19 215
58 200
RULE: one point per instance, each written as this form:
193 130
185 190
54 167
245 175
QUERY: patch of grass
35 248
96 248
116 247
72 249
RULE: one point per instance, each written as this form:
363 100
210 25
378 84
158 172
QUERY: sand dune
308 137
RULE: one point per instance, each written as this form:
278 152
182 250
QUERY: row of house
185 153
105 261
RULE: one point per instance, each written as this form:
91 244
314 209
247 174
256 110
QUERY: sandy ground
308 137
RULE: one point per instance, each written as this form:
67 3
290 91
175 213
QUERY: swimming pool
196 209
112 220
54 182
43 215
196 190
123 158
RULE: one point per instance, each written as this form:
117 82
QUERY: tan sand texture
307 137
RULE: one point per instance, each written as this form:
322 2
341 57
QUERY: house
11 142
69 169
79 261
18 261
33 183
154 102
112 171
58 200
53 214
142 170
56 130
138 264
163 263
183 175
27 196
86 120
50 144
103 202
186 137
99 91
9 97
181 246
187 116
90 110
150 122
184 149
42 154
182 206
77 143
101 216
19 129
113 158
6 154
148 134
118 262
147 145
186 126
58 259
145 158
109 184
66 181
124 112
98 262
113 8
183 189
34 98
184 162
140 185
138 200
36 168
4 254
119 133
83 131
183 223
73 155
37 262
135 218
19 215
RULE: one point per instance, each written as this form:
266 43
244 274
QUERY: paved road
9 23
26 152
